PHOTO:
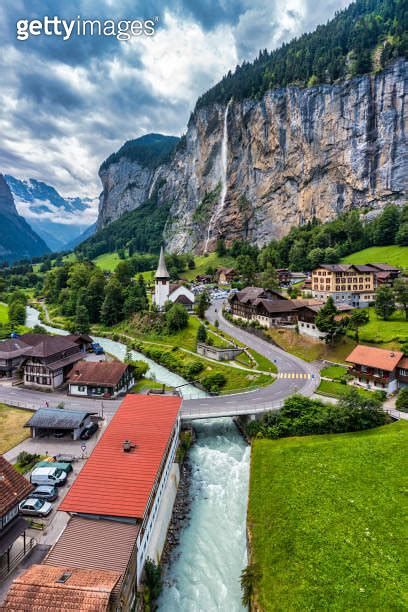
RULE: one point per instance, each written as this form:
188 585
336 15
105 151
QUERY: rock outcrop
291 156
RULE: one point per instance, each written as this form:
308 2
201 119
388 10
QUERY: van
48 476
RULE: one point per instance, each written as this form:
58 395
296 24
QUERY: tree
124 272
94 295
384 303
176 318
356 320
81 322
401 237
221 248
386 226
246 267
136 298
202 303
250 577
401 294
316 257
269 277
17 313
402 400
111 311
201 334
325 320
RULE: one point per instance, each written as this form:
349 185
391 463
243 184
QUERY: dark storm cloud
66 105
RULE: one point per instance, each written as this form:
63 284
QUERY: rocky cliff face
291 156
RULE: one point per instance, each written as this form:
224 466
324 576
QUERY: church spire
161 268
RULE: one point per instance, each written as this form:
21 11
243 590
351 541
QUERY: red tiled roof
115 483
38 589
97 372
14 487
375 357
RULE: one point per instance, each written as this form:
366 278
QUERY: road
297 376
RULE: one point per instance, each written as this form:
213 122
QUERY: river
205 567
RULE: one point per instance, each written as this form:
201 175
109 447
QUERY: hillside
319 515
311 130
393 255
17 239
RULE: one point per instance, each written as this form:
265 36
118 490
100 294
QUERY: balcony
371 375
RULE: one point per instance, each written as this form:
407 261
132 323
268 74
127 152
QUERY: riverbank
325 522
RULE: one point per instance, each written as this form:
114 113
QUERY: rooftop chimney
128 446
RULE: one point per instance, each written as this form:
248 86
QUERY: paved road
297 376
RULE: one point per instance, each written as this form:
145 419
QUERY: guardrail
205 412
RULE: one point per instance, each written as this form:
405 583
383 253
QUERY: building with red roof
126 474
377 368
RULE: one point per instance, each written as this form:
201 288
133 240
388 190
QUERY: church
165 291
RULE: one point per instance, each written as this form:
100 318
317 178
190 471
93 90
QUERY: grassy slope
3 313
328 521
332 388
212 260
392 255
11 427
334 372
309 350
377 330
107 262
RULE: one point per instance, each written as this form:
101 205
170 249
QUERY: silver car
35 507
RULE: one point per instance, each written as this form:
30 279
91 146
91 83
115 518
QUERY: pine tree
384 304
111 311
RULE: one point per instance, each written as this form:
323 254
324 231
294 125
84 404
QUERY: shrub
25 458
402 400
214 382
194 368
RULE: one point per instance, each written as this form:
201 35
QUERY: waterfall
224 188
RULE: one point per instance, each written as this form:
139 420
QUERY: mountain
81 238
56 219
129 174
310 130
17 239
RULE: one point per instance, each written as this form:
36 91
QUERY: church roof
161 268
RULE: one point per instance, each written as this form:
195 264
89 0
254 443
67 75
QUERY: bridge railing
206 412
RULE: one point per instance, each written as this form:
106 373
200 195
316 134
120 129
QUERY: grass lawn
378 331
202 262
327 516
307 349
146 383
333 388
334 372
12 421
393 255
3 313
107 261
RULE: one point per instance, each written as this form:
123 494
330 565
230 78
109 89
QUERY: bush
176 318
24 458
402 400
194 368
214 382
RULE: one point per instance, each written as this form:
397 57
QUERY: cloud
66 106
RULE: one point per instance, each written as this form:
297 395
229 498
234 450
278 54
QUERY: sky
66 105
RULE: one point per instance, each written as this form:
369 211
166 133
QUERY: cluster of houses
45 362
119 509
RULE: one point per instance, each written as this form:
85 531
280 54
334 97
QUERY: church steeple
161 268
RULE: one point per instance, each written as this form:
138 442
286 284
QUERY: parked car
97 348
46 492
35 507
89 431
48 476
61 465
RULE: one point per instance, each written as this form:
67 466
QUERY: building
284 277
100 545
385 274
60 589
82 340
307 313
225 275
165 291
12 353
47 421
14 544
131 475
266 306
100 378
346 283
377 368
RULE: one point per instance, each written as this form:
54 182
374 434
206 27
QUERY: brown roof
183 299
226 271
94 544
375 357
13 347
43 345
14 487
38 590
76 337
97 372
276 306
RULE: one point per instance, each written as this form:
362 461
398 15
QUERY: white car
35 507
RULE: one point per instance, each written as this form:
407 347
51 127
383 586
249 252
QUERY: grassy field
393 255
327 516
11 427
379 331
202 262
3 313
334 372
107 261
332 388
307 349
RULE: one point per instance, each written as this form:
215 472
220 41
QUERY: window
81 388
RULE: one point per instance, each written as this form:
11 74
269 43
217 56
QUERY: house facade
100 379
266 306
346 283
12 353
376 368
225 275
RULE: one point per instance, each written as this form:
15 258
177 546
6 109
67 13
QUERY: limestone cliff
256 168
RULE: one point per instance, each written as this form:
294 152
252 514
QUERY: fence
14 560
206 412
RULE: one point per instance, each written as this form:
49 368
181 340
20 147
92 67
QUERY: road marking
294 375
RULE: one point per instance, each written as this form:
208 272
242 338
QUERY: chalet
385 274
82 340
12 353
225 275
14 544
283 277
47 363
267 306
307 313
100 378
377 368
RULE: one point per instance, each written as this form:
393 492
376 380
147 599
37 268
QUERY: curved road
305 380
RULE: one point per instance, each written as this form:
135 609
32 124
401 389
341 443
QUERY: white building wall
310 329
161 292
